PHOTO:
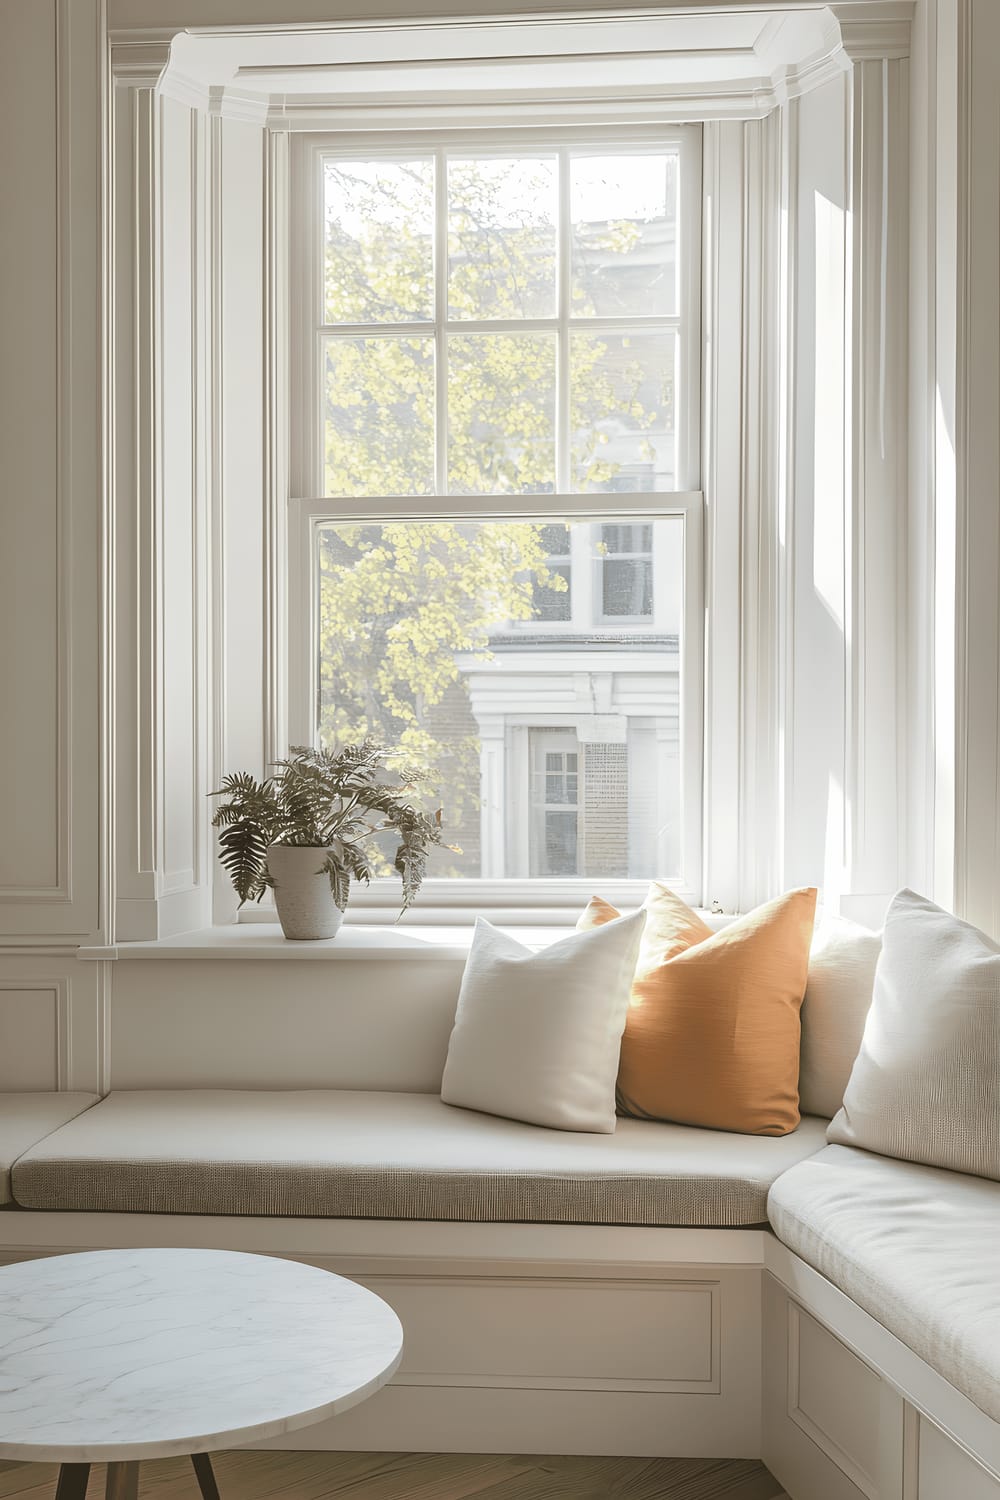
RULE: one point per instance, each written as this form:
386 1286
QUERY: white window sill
353 943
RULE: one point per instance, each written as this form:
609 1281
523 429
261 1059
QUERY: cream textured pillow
926 1085
537 1035
838 996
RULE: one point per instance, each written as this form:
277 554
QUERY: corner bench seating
26 1119
915 1248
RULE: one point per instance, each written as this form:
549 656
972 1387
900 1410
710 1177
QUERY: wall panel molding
722 363
162 483
841 703
762 570
877 476
49 884
745 488
51 1019
977 466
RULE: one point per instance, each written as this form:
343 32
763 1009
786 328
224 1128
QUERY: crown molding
678 106
139 57
853 31
239 104
873 29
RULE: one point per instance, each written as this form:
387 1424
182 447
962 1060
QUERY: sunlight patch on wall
828 445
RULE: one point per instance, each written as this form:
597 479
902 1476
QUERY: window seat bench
378 1155
917 1247
575 1293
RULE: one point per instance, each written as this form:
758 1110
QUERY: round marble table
114 1356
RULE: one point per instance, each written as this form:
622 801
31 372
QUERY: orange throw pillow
712 1035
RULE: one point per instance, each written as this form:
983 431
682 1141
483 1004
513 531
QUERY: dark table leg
206 1476
72 1481
123 1482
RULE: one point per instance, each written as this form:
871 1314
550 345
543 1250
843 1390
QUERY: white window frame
523 900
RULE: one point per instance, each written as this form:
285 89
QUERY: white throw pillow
537 1035
926 1085
838 997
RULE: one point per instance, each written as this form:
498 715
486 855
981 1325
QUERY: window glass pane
627 588
556 539
553 599
554 596
622 411
428 640
502 237
624 235
378 222
627 539
379 416
501 414
559 852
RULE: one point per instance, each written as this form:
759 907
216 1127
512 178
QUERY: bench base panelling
519 1338
598 1340
835 1428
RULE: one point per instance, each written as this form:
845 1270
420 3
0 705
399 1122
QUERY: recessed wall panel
29 366
178 601
29 1027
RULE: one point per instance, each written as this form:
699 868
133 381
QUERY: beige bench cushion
394 1156
26 1118
917 1247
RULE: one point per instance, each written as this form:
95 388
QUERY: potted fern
309 829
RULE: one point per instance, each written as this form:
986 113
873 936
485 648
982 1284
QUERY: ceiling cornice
850 31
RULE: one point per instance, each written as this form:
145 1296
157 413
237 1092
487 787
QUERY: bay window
428 402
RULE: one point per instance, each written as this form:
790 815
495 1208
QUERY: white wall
817 524
52 876
845 702
161 409
977 466
954 626
50 385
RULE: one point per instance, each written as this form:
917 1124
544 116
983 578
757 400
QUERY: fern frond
243 853
340 879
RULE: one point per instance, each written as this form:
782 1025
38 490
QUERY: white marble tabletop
116 1355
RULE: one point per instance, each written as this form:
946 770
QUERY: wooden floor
426 1476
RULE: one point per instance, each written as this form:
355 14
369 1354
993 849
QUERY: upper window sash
310 328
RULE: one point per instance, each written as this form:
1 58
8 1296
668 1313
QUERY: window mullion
440 319
562 336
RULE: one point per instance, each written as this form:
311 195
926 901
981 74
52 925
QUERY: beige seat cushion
27 1118
394 1156
917 1247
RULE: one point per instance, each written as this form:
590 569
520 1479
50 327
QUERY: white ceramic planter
302 894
